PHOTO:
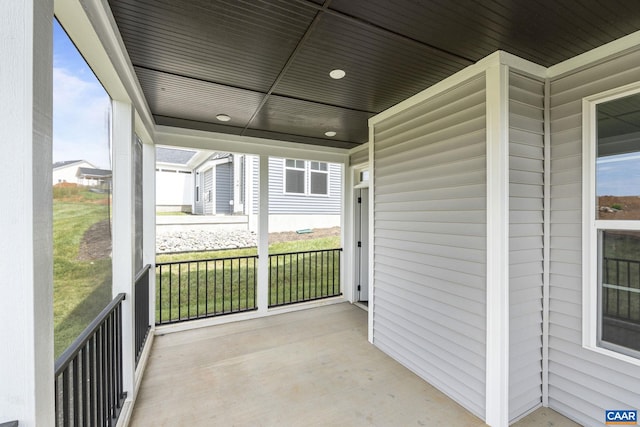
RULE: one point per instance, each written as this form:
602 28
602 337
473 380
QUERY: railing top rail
308 252
622 260
142 272
68 355
158 264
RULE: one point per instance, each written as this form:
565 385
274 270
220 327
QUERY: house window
295 176
319 178
306 177
611 235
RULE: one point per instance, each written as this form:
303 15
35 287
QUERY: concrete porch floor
307 368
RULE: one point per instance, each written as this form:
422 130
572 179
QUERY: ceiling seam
399 36
369 24
201 80
287 64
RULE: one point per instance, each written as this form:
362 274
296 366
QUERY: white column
348 233
123 231
497 353
26 248
263 236
149 222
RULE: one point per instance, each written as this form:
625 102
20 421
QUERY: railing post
263 237
149 221
123 231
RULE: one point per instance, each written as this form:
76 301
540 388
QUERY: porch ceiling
266 63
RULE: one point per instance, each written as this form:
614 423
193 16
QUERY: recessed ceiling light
330 133
223 117
337 74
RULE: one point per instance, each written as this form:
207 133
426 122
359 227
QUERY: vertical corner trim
497 350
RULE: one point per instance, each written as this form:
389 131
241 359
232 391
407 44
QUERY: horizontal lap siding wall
582 383
430 241
280 203
224 188
208 195
526 185
359 157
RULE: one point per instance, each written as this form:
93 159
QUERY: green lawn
81 289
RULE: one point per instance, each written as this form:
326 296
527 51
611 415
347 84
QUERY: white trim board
497 298
590 58
197 139
474 70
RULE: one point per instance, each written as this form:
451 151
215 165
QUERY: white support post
149 222
26 248
497 353
372 213
123 232
263 236
347 272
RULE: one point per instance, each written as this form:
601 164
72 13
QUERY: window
611 234
306 177
294 176
319 179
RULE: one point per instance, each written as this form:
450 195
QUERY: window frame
307 171
325 173
592 227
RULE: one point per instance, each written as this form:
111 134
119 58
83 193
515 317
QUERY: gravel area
200 240
191 240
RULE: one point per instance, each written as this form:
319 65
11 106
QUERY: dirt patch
96 242
316 233
618 207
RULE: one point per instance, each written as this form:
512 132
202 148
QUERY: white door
362 242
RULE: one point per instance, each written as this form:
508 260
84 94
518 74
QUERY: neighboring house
93 177
174 178
218 187
303 194
67 171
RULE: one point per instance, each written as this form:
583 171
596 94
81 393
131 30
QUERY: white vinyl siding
526 185
281 203
224 188
430 239
207 192
359 157
582 383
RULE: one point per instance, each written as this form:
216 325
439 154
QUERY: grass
205 288
81 289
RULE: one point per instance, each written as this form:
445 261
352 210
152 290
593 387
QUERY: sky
80 107
618 175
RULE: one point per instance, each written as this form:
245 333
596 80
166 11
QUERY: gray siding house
302 194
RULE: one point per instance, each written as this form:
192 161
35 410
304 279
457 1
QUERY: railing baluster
65 397
170 291
215 286
197 289
188 290
206 288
